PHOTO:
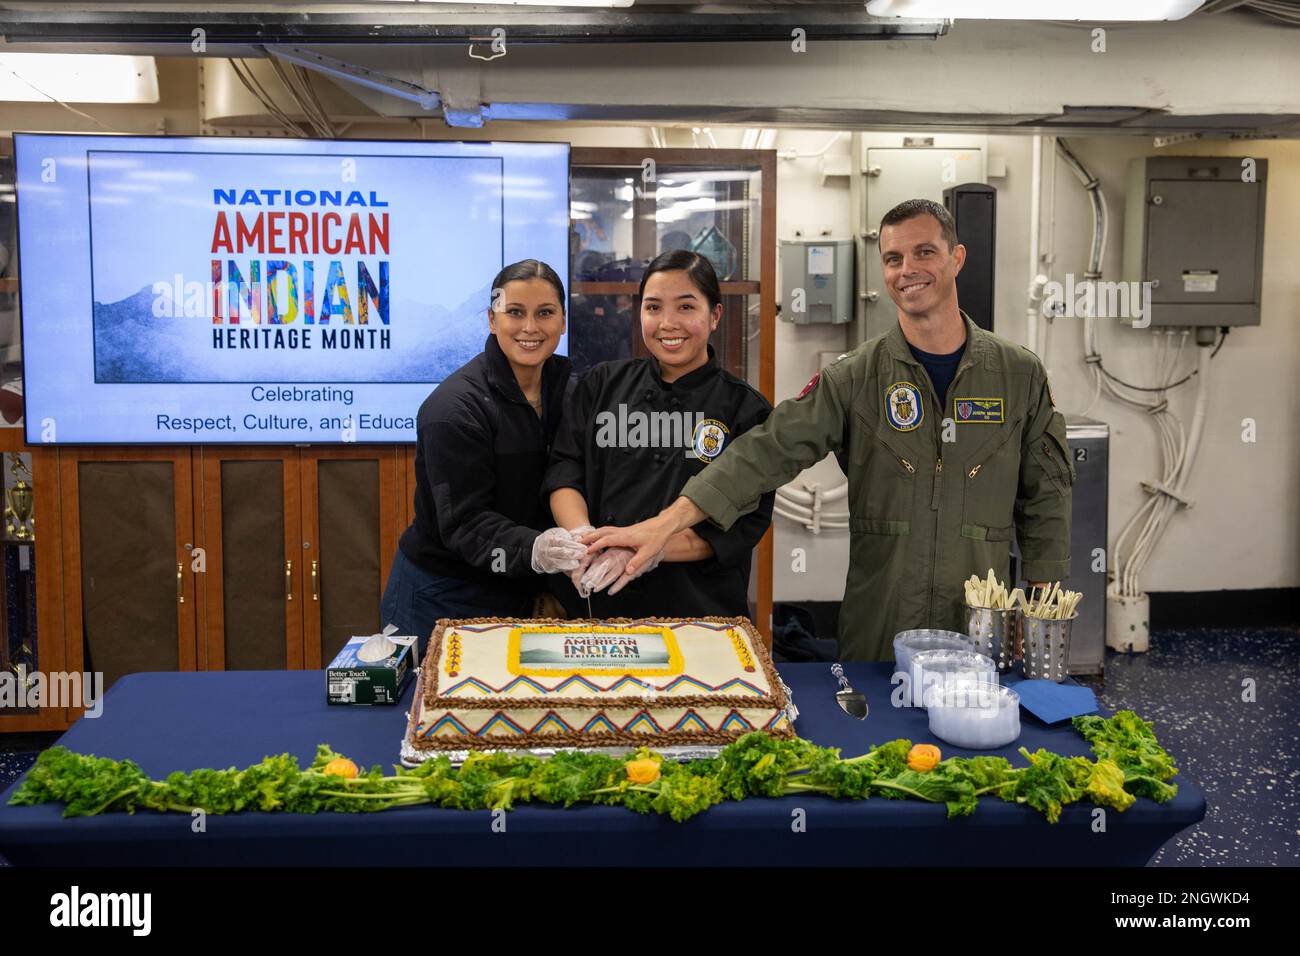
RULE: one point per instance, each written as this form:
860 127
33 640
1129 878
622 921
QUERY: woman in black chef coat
633 434
476 547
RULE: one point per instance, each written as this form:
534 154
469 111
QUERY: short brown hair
912 208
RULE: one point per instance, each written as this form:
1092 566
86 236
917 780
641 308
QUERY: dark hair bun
697 268
527 269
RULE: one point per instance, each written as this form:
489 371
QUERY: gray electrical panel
1194 232
817 281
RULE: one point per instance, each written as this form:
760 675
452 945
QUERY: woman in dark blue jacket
477 546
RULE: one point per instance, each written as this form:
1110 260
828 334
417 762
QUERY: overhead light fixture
535 3
77 78
1034 9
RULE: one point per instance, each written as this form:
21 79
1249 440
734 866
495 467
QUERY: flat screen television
202 290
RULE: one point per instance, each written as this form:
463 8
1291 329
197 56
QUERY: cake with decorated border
498 683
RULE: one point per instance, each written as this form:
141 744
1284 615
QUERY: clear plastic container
975 714
909 643
934 670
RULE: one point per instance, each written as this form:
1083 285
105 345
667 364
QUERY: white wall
802 203
1244 531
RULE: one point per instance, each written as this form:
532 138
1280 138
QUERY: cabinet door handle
315 587
288 580
180 584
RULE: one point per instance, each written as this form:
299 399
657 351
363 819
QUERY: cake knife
850 701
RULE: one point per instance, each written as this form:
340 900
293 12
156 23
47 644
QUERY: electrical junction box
1194 239
817 281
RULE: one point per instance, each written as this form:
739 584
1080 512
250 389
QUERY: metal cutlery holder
996 634
1047 647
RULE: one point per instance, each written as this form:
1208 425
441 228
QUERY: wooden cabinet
222 558
202 558
351 520
297 545
128 532
252 558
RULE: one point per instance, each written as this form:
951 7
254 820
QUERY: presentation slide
181 290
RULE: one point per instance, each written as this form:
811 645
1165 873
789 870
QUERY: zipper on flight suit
907 465
968 362
1010 432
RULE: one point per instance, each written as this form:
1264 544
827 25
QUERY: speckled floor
17 751
1196 686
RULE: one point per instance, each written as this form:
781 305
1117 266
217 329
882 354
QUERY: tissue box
354 681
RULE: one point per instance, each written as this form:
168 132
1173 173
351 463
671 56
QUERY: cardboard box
350 680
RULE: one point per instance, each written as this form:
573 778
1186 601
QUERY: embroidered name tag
966 410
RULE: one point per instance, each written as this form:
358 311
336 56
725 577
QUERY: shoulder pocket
1054 457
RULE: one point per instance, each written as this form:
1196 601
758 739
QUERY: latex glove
555 549
576 574
611 566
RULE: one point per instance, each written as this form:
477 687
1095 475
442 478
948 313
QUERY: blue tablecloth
171 721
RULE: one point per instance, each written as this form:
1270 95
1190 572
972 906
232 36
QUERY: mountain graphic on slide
428 343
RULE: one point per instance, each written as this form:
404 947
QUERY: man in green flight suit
949 438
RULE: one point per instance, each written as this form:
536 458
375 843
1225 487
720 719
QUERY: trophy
19 525
24 666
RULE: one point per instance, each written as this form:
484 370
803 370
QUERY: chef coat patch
710 435
978 410
903 406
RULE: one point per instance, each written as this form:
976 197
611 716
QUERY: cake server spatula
850 701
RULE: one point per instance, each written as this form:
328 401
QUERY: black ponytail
527 269
697 268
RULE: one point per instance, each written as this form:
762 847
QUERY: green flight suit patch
967 410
